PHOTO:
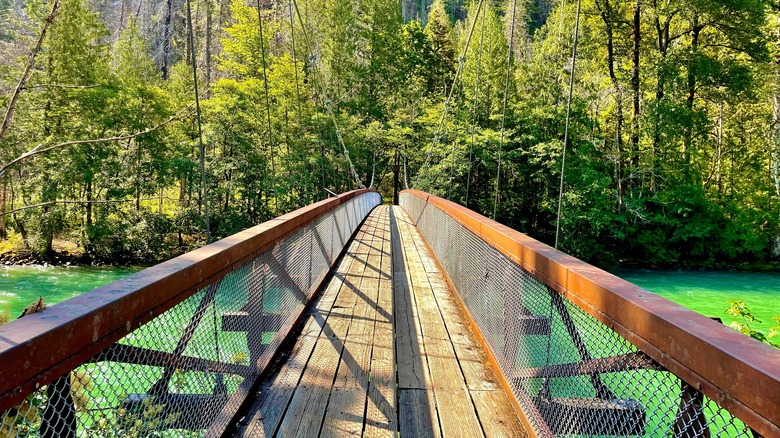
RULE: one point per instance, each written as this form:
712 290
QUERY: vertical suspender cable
476 101
267 103
200 129
462 62
373 170
406 176
328 102
449 97
503 110
219 378
295 64
298 87
568 117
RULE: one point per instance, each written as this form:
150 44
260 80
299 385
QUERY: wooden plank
488 404
307 408
412 369
417 413
492 404
344 415
381 408
277 392
457 414
381 414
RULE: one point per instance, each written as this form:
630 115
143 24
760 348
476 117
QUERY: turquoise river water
706 292
21 285
709 292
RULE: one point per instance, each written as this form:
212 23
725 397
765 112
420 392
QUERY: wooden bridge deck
385 349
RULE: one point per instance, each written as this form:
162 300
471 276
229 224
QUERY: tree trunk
719 153
3 191
606 15
19 225
208 43
137 179
88 247
635 94
166 39
9 113
47 223
656 155
688 138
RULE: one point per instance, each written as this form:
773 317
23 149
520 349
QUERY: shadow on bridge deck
383 350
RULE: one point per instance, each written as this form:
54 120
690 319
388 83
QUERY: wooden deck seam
372 224
416 306
311 319
447 328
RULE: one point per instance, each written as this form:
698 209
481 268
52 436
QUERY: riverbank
30 258
64 253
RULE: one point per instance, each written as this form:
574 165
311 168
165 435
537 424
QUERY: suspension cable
219 378
295 64
406 177
568 117
328 103
200 128
474 107
373 170
267 104
503 110
437 133
454 137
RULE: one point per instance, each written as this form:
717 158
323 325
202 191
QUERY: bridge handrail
741 374
43 346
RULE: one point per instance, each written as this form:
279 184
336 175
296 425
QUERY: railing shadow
412 397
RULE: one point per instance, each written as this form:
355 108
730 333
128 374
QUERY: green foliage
740 311
684 179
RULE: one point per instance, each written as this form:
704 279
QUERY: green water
709 292
21 285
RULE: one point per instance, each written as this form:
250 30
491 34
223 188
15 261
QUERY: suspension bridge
348 317
353 318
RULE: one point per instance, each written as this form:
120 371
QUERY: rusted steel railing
587 353
177 346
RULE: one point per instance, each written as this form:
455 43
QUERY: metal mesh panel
174 375
571 374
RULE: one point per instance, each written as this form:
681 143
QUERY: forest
672 152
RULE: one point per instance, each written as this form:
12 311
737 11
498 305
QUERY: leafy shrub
738 309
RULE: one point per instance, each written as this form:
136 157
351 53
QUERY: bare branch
27 70
73 201
37 150
62 86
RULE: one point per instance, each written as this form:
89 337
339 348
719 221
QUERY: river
21 285
707 292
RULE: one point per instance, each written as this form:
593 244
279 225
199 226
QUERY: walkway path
385 349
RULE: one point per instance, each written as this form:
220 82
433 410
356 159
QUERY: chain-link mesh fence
571 374
182 373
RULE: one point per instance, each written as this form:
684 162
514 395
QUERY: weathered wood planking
307 408
381 407
385 351
417 414
345 415
457 414
267 411
412 368
492 404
